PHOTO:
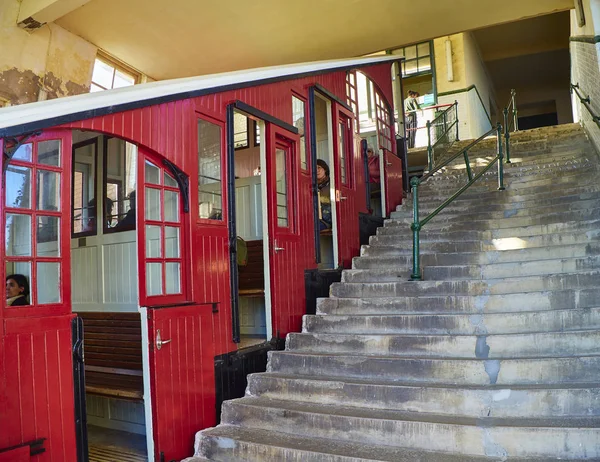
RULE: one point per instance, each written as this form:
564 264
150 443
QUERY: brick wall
585 70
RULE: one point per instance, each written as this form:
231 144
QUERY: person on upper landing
324 195
17 290
411 106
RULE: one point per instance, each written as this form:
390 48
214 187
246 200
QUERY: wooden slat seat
113 354
251 278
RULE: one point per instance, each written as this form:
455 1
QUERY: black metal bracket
183 181
12 145
35 447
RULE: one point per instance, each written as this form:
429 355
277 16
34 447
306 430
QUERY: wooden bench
113 354
251 278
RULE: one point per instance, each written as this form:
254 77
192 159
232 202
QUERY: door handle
276 248
389 164
160 342
343 198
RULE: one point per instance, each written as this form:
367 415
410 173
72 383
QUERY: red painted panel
39 394
392 169
182 378
16 455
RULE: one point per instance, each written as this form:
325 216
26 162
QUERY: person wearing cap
324 195
411 106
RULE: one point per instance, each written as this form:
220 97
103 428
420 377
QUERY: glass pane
173 278
48 190
423 49
256 134
342 147
410 67
154 279
48 283
153 241
102 74
94 88
424 64
298 121
281 175
18 235
120 184
171 242
410 52
25 153
18 187
240 130
171 206
123 80
47 236
170 181
18 279
209 170
49 153
152 204
84 185
152 173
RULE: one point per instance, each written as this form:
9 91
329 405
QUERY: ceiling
192 37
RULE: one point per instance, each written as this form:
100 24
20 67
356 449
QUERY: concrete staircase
494 356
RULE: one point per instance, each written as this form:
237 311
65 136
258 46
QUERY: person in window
374 181
128 221
17 290
324 195
411 106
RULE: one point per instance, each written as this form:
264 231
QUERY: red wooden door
392 172
345 185
36 385
182 378
285 261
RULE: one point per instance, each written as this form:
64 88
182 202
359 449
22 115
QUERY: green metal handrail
586 103
417 224
511 107
441 119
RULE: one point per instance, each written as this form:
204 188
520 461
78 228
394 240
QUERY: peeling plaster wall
48 63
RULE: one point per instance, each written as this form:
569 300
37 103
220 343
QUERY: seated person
324 195
128 221
17 290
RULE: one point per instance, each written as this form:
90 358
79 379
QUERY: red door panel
345 184
181 377
285 250
392 169
16 455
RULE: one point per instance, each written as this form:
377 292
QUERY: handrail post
456 114
468 165
500 158
513 93
429 147
506 135
415 227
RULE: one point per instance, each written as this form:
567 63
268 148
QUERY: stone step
492 346
474 272
455 324
428 247
426 371
456 216
533 301
525 284
487 401
230 443
500 244
413 431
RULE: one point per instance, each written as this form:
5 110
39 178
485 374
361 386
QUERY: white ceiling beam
33 14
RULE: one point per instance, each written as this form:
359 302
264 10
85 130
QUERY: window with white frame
108 74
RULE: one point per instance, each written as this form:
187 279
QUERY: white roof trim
14 116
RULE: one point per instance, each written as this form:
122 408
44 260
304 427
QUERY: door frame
263 119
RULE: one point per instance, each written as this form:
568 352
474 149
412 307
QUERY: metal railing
418 224
586 102
510 117
440 132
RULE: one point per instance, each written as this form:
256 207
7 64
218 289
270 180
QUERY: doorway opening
328 243
252 229
104 281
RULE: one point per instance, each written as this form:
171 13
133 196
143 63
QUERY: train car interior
251 228
367 123
104 281
326 204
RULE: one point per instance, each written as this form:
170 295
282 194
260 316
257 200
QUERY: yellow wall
458 63
47 63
